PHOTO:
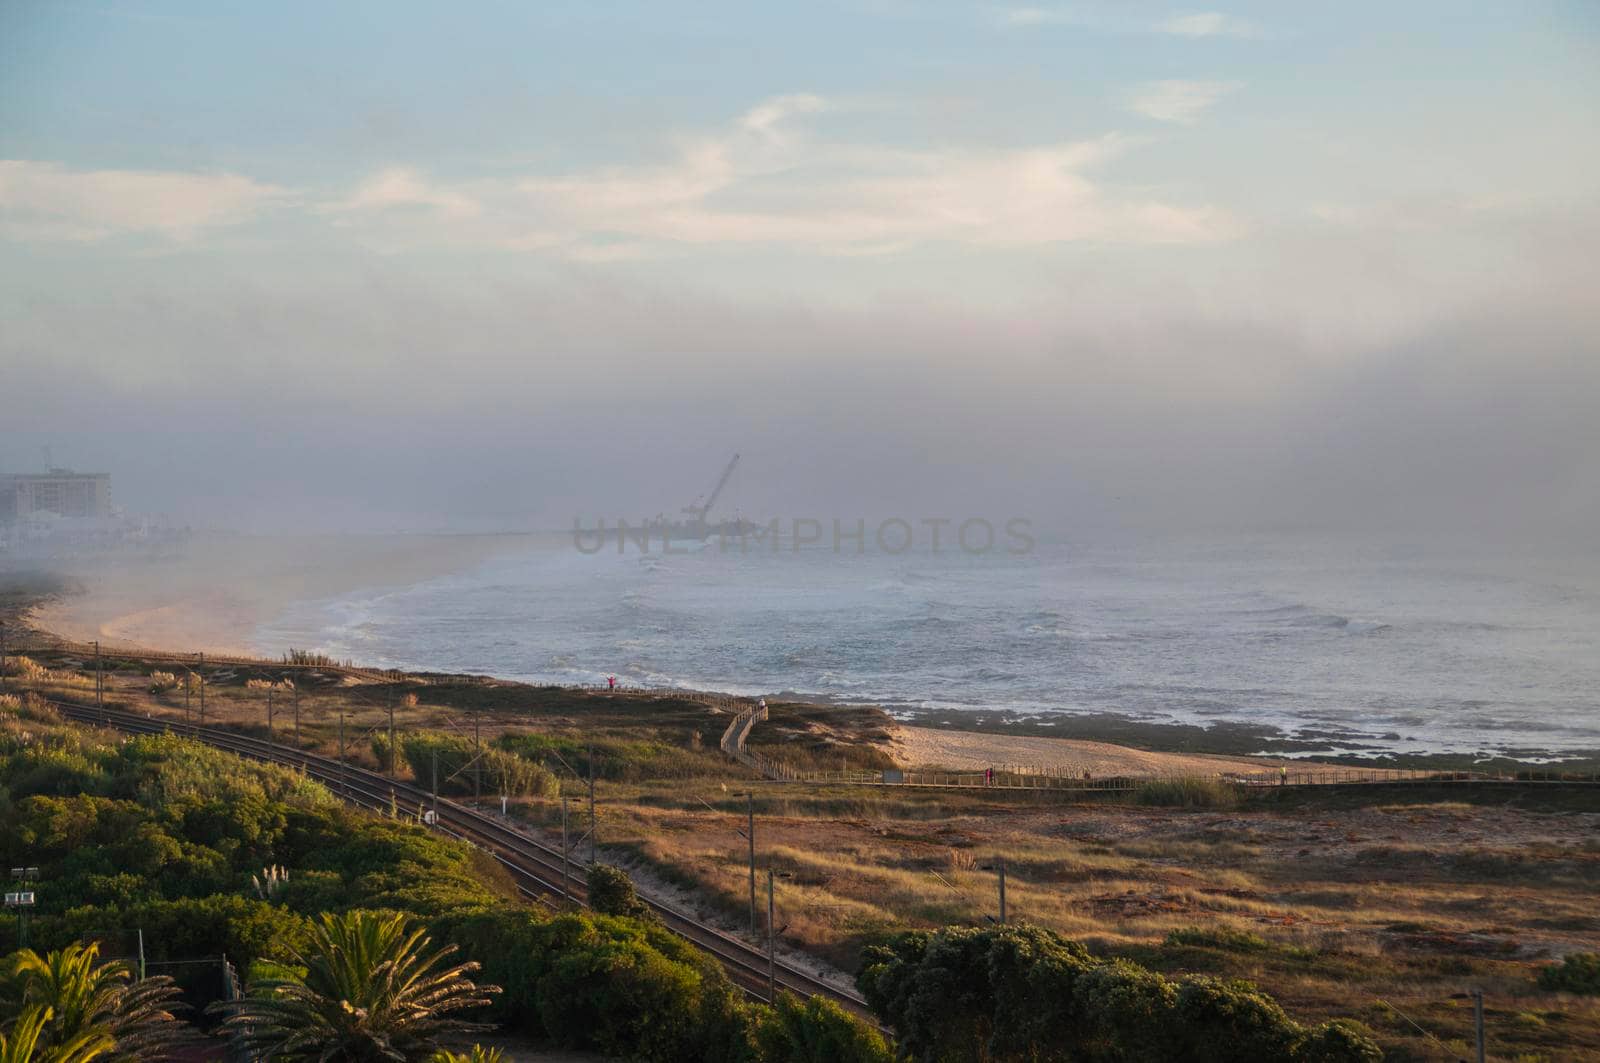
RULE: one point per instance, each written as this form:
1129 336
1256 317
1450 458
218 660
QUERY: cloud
1200 24
45 200
1181 102
1208 24
766 117
765 179
402 188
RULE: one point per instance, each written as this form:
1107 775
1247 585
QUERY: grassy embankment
1374 903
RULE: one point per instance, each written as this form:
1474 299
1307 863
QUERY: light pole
22 900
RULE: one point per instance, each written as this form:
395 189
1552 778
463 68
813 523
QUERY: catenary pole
750 837
772 943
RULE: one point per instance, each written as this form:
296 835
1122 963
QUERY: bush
383 753
616 986
1579 972
1227 939
161 682
1019 993
502 773
816 1031
1194 791
611 892
1339 1041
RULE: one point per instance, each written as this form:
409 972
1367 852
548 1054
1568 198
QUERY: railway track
538 869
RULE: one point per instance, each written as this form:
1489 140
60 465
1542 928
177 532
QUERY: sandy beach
972 751
215 596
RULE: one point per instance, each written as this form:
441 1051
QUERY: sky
483 265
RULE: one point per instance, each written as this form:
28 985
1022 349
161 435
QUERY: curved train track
538 869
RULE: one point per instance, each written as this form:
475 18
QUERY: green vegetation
611 892
372 989
451 756
210 855
616 759
68 1006
1578 972
1026 994
817 1031
478 1054
162 835
1220 937
1195 791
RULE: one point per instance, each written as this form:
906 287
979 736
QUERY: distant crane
699 512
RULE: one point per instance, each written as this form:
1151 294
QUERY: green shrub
1227 939
1339 1041
616 986
383 753
1578 972
1019 993
611 892
816 1031
500 772
1194 791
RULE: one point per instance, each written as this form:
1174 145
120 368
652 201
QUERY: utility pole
565 893
269 714
477 761
750 836
1000 864
394 750
343 782
772 943
435 786
297 715
1477 1020
99 683
188 689
201 673
593 829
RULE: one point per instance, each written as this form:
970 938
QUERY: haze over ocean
1359 647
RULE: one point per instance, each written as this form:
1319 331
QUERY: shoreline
215 599
217 596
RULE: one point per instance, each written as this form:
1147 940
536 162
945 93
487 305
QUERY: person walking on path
611 683
1283 775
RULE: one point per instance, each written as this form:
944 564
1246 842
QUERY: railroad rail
539 870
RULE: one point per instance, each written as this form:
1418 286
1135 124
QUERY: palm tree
373 992
478 1054
82 1000
28 1043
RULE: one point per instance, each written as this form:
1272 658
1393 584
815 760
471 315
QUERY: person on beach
611 682
1283 775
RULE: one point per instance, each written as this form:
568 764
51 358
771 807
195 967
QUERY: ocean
1349 649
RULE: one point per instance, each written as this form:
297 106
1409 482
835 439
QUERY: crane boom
703 511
